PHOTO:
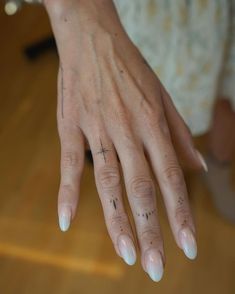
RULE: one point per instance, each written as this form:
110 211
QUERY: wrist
87 15
58 7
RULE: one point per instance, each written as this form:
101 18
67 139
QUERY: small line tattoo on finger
114 201
103 151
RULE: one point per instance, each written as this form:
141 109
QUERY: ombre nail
202 160
188 243
154 265
127 249
64 218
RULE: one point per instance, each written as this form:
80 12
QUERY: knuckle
151 236
117 220
182 215
173 175
142 187
126 133
67 189
120 115
117 223
132 146
66 194
67 128
121 122
121 118
70 159
109 177
156 122
148 110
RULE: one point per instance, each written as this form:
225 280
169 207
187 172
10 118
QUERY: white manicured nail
154 265
127 249
188 243
64 218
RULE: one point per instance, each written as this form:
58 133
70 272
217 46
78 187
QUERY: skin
109 98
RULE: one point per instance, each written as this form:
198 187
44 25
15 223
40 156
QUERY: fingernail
64 218
188 243
127 249
154 265
202 160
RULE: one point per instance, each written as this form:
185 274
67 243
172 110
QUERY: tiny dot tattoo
180 200
146 214
184 223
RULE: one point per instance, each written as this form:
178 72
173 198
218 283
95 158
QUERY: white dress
190 44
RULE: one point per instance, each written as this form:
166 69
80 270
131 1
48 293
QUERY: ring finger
142 198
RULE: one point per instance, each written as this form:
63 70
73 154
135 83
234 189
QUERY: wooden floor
35 257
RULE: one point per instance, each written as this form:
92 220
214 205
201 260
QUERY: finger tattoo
146 214
103 151
114 201
180 200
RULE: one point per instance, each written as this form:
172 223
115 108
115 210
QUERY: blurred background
35 257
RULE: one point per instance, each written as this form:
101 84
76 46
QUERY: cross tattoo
103 151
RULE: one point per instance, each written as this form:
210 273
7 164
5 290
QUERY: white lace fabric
190 44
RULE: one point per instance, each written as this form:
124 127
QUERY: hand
109 96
